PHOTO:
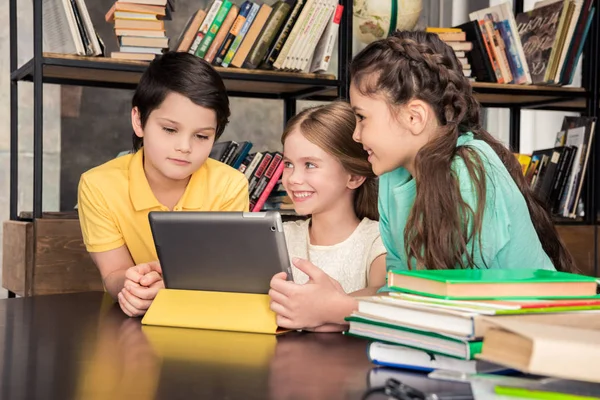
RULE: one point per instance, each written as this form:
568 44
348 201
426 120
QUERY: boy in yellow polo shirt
179 109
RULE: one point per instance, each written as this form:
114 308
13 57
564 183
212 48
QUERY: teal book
464 284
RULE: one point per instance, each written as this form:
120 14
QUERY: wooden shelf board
108 72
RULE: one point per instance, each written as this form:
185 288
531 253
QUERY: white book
575 137
300 40
95 48
139 49
60 28
315 34
290 41
324 50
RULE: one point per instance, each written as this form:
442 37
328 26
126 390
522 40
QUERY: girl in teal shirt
450 195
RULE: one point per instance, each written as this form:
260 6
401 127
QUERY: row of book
557 175
262 169
291 35
484 321
139 26
456 38
539 46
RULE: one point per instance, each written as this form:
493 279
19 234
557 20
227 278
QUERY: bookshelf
289 87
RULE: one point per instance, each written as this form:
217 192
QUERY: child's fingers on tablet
283 286
278 297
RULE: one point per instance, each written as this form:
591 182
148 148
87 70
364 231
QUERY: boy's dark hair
188 75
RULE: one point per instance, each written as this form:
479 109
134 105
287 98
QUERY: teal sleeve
392 258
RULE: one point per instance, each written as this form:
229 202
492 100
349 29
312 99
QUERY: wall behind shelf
52 124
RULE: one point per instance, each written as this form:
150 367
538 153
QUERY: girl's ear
355 181
136 122
418 115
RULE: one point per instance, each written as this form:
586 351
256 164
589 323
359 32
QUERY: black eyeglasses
400 391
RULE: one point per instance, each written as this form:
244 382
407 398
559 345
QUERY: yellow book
524 160
433 29
223 311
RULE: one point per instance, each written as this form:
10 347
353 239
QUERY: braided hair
441 225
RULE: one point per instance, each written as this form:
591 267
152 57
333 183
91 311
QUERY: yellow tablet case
224 311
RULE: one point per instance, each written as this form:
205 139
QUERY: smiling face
392 136
315 180
178 137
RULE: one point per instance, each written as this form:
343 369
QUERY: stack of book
441 319
539 46
140 28
262 169
456 38
290 35
556 175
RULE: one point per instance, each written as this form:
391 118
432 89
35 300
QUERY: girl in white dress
329 178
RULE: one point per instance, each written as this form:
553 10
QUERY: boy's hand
141 285
321 301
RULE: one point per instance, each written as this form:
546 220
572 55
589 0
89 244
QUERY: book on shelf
557 175
68 29
262 169
289 35
140 28
539 46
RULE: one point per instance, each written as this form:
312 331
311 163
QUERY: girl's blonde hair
331 127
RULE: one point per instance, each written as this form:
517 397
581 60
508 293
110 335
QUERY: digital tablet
220 251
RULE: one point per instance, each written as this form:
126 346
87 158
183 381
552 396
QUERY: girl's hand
320 301
141 285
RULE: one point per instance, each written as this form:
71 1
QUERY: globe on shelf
377 19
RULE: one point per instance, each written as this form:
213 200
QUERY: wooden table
81 346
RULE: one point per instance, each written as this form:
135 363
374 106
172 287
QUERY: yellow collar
142 196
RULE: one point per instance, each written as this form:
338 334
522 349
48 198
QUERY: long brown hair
418 65
331 127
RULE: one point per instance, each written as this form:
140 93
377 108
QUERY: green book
214 28
493 284
432 342
278 15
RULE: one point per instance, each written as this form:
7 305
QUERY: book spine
307 11
300 40
253 165
214 28
260 170
269 188
239 38
314 35
512 54
283 35
220 36
210 17
263 41
326 44
264 179
233 32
